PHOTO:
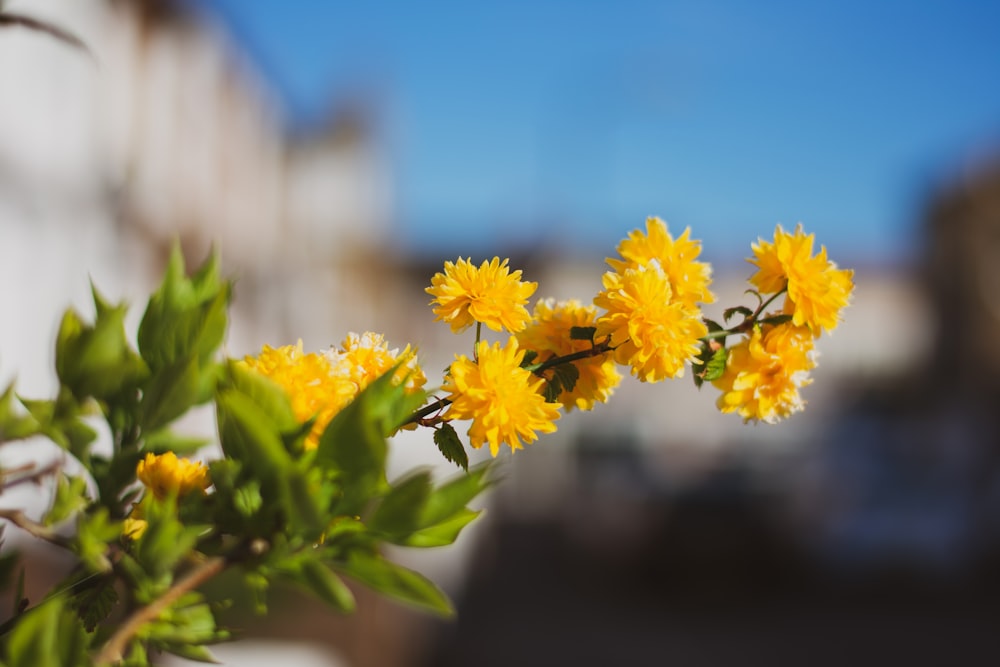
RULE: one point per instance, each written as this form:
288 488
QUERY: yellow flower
765 372
167 475
313 387
548 334
817 289
489 294
502 399
689 279
132 529
649 331
364 358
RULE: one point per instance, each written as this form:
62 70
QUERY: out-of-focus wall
165 131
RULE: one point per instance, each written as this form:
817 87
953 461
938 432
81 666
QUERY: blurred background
338 153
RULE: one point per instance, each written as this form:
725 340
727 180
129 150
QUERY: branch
36 476
42 26
114 648
41 531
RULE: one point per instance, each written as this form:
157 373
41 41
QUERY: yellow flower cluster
320 385
503 400
651 299
765 372
549 334
816 289
563 355
489 294
166 476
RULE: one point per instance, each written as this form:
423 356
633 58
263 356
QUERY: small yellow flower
650 331
689 279
817 289
502 399
548 334
489 294
313 387
364 358
132 528
167 475
765 372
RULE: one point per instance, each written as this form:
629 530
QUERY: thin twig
43 26
36 476
114 648
41 531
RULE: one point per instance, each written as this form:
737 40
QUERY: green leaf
192 652
15 425
94 604
354 442
399 513
567 375
450 445
552 390
582 333
716 365
452 497
775 320
97 360
185 318
529 358
247 499
70 497
736 310
170 392
166 540
443 533
249 434
49 634
396 581
319 580
165 440
93 534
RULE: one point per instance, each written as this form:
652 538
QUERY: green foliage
450 445
582 333
276 511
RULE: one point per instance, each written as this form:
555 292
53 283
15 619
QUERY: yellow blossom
689 279
313 387
765 372
489 294
132 528
649 331
166 475
549 335
363 358
503 400
817 289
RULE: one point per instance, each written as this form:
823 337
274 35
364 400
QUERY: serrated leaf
452 496
567 374
716 365
582 333
552 390
95 604
15 425
736 310
529 358
70 497
450 445
775 320
48 634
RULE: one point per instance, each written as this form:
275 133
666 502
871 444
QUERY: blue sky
568 122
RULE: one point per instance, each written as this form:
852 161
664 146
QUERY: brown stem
114 648
41 531
35 476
